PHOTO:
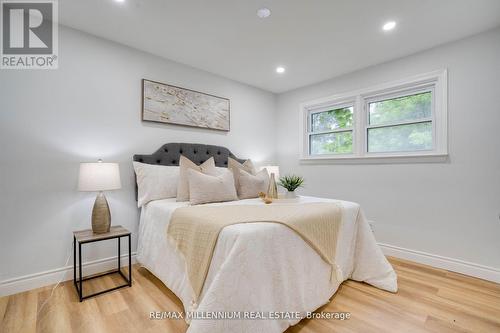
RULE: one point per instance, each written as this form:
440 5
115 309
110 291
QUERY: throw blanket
195 230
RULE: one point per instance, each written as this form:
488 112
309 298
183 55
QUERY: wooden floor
428 300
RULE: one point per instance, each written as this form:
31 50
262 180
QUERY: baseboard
32 281
454 265
37 280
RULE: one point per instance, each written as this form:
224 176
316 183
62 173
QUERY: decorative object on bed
251 185
155 182
272 189
204 188
99 177
291 183
207 167
165 103
235 166
195 231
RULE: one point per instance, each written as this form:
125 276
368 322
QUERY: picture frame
169 104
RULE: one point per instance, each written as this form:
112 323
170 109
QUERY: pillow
185 164
205 188
250 185
155 182
235 166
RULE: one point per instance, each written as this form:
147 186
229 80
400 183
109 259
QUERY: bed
257 268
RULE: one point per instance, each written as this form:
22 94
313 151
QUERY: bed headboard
170 153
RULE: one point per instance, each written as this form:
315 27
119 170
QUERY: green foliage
340 142
409 137
291 182
401 109
333 119
401 138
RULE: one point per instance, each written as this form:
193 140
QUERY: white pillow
250 185
186 164
205 188
155 182
234 166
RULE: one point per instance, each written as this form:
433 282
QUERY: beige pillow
185 164
235 166
250 185
155 182
205 188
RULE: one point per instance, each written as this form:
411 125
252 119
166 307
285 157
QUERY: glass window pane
399 109
331 143
409 137
330 120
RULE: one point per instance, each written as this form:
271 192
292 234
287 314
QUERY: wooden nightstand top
85 236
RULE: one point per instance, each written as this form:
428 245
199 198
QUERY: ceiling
313 39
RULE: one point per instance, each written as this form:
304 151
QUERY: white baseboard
32 281
454 265
41 279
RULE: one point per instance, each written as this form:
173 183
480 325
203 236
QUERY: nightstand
88 236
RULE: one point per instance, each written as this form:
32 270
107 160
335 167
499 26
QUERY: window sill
376 159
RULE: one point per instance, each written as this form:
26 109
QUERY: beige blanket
195 231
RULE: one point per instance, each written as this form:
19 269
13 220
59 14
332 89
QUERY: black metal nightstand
88 236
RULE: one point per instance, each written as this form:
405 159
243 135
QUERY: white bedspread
262 267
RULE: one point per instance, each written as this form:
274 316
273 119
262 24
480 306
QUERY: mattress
261 267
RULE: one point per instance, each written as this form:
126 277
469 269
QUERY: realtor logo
29 34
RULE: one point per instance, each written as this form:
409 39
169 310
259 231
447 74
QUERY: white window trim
437 81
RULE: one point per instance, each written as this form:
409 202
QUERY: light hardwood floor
428 300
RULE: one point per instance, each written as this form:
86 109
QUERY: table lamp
272 169
99 177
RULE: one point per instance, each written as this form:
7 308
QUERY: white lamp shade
99 176
273 169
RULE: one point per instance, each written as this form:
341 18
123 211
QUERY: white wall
449 209
88 109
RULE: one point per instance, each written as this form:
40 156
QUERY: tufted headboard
169 154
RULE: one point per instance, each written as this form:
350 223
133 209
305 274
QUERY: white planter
290 195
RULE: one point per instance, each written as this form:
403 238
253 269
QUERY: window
331 131
400 124
397 120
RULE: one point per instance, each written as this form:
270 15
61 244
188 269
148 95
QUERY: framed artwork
164 103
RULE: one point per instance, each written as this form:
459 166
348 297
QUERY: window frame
436 82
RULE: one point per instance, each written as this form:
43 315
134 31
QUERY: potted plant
291 183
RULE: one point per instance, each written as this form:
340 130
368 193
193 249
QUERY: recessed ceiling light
263 12
388 26
120 1
280 69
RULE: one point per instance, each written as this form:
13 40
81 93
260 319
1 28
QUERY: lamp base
101 216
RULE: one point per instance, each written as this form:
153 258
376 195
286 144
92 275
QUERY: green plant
291 182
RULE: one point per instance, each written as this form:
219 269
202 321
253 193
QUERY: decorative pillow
155 182
250 185
235 166
185 164
205 188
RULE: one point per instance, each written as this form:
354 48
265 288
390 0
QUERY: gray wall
450 209
88 109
